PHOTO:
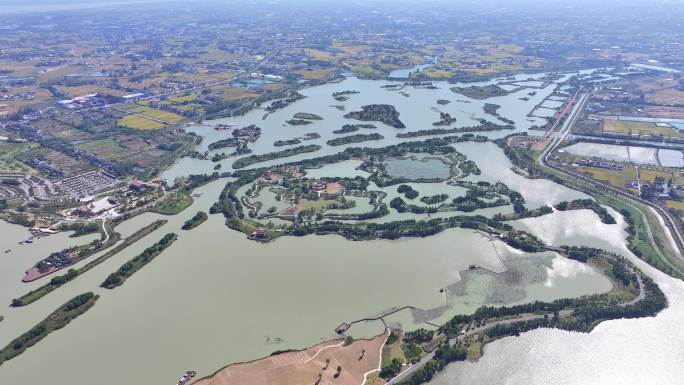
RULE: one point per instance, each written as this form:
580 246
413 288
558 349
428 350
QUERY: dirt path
317 364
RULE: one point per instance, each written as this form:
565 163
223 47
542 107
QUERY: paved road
408 371
668 219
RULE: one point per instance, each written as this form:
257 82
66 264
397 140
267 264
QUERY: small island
445 119
346 129
307 116
342 96
253 159
354 139
443 102
483 127
241 137
55 321
282 103
298 122
492 109
480 92
129 268
195 221
288 142
384 113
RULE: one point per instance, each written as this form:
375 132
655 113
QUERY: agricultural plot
62 162
183 103
650 174
139 123
168 117
106 148
667 96
615 178
627 127
315 74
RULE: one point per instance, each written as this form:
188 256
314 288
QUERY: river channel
214 297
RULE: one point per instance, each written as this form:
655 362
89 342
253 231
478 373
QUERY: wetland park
457 239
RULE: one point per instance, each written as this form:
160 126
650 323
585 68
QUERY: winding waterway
635 351
215 297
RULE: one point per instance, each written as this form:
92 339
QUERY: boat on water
189 375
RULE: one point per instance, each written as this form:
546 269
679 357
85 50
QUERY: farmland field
166 116
650 174
139 123
107 148
616 178
638 128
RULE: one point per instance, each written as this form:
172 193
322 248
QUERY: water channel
215 297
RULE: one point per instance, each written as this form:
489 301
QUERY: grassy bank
55 321
56 282
129 268
173 204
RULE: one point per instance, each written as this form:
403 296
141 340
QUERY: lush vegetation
587 204
80 228
434 199
55 321
444 355
253 159
306 115
480 92
354 139
408 191
635 214
384 113
195 221
575 314
346 129
288 142
173 203
298 122
419 336
223 143
129 268
483 127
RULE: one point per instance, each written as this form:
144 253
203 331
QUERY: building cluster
54 261
90 183
88 101
599 164
330 189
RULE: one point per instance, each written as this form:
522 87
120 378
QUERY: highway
669 221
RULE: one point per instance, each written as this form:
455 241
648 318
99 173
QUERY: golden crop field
168 117
638 128
615 178
318 54
139 123
677 205
649 175
316 74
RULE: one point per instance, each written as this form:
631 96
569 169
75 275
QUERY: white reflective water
637 351
214 297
